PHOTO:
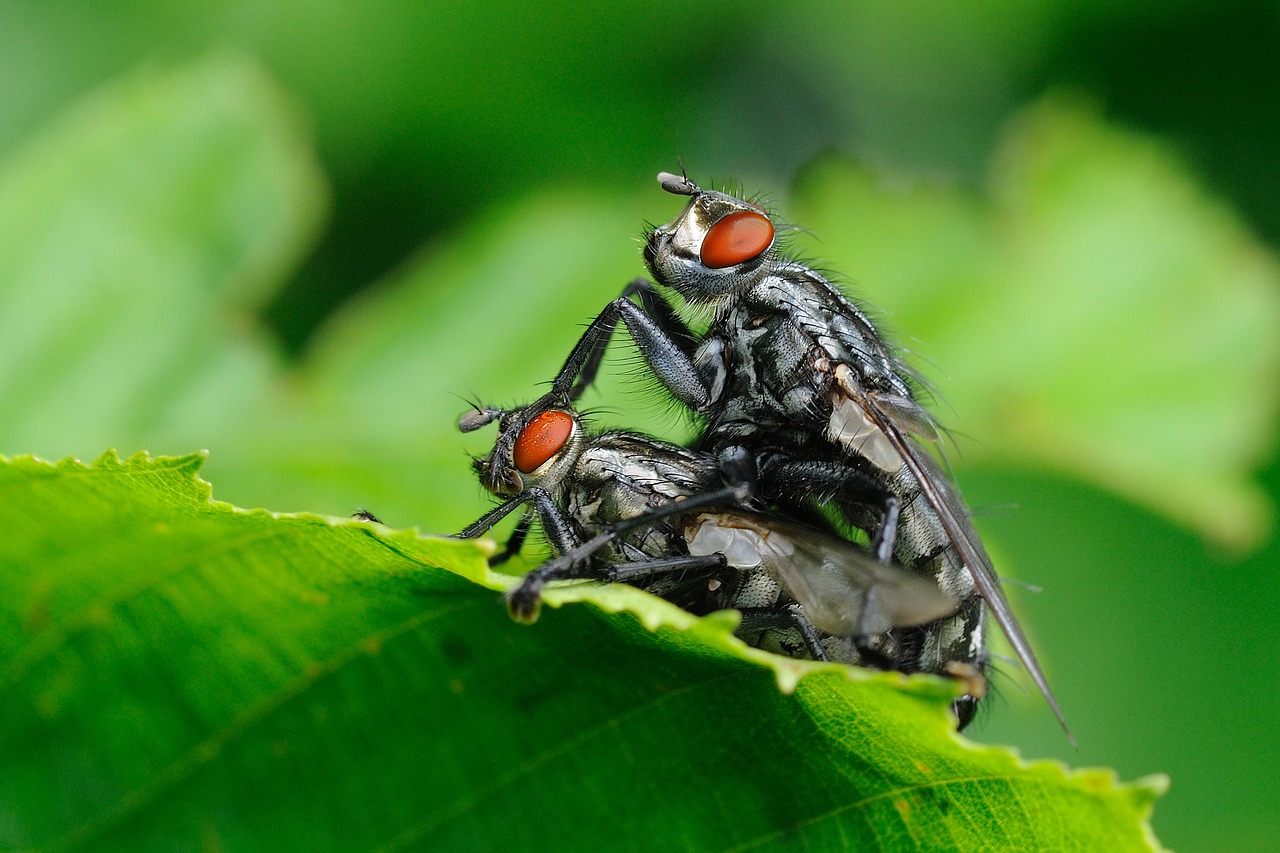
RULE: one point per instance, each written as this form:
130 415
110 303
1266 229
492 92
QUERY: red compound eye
736 238
542 439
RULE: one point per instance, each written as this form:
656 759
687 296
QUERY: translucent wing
843 589
954 520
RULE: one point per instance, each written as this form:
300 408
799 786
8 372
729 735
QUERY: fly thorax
710 361
767 380
586 507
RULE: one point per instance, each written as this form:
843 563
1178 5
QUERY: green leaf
1098 314
176 671
137 235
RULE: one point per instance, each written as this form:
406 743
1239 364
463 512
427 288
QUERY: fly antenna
478 417
678 184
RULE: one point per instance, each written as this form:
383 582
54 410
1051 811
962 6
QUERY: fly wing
956 525
844 590
907 415
852 427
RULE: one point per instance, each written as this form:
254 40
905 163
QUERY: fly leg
633 570
514 542
584 362
525 600
791 616
663 339
555 526
737 468
792 481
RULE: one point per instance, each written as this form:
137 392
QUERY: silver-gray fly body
686 526
794 375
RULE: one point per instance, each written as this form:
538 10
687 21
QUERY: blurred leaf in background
144 231
1121 289
140 235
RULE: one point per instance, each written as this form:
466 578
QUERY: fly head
718 246
532 449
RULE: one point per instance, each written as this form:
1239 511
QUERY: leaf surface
178 671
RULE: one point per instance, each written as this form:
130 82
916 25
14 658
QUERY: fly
621 506
795 374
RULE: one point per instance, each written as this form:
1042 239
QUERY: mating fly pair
796 388
624 507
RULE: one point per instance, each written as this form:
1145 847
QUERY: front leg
556 527
664 341
573 559
580 369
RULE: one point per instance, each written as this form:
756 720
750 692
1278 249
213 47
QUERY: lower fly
688 526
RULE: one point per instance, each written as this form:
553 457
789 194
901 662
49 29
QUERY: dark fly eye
542 439
736 238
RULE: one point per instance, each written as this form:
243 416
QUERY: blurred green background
1068 213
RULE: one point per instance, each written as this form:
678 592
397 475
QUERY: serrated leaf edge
654 614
